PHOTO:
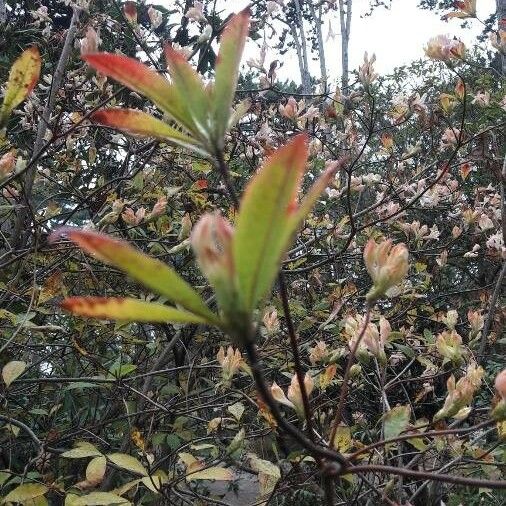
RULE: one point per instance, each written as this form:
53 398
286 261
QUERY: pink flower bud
211 240
500 384
7 163
91 41
130 11
159 208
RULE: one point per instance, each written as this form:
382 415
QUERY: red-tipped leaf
265 225
138 77
126 309
152 273
137 122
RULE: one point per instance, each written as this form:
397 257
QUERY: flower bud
500 384
230 362
445 49
386 265
130 11
211 240
449 345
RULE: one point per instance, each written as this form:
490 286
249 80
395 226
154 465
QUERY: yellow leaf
96 499
82 450
26 492
96 470
12 370
342 440
212 473
127 462
23 77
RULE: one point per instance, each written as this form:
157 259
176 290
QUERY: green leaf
26 492
190 87
12 370
23 77
264 225
211 473
119 370
82 450
396 421
137 122
227 72
152 273
127 462
124 309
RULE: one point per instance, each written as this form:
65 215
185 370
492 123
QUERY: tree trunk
305 76
321 48
345 20
501 23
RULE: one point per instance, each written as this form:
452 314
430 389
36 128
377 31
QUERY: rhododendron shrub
218 287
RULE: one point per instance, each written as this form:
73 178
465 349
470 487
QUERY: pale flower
476 322
90 42
318 353
467 9
445 49
450 137
500 384
196 13
230 362
7 163
481 98
211 240
449 345
460 394
271 321
386 264
133 218
498 40
155 17
159 208
294 398
290 110
450 319
366 73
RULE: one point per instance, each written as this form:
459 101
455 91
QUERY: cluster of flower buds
449 345
499 412
373 339
498 40
443 48
293 399
386 264
466 9
476 322
230 363
366 73
461 393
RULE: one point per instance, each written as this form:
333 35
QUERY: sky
397 36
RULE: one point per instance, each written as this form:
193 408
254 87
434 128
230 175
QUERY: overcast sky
397 36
